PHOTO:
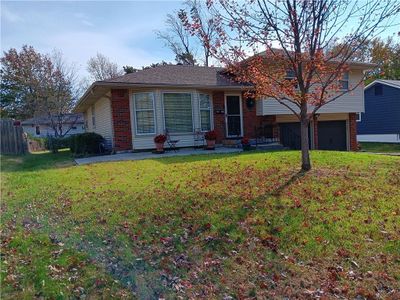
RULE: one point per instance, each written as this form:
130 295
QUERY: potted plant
246 144
159 140
210 138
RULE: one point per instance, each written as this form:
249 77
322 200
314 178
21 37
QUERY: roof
45 120
163 76
392 83
178 75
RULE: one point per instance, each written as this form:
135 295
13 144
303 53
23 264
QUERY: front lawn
209 226
380 147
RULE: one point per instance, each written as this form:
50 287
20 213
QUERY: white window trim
358 119
191 104
209 110
241 116
134 114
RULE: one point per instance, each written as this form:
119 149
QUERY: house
128 111
41 126
381 120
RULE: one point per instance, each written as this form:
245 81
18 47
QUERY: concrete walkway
150 155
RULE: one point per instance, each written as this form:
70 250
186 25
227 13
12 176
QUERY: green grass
380 147
205 226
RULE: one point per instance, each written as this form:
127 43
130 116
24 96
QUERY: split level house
129 111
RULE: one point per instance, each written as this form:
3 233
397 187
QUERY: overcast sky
123 31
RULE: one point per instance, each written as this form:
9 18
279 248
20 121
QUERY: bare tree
206 26
178 39
60 94
301 75
101 67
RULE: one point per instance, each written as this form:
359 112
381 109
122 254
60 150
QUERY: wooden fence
12 138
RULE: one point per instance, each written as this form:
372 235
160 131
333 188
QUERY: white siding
185 140
350 102
103 119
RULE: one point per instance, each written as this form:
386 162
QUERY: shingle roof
392 83
178 75
45 120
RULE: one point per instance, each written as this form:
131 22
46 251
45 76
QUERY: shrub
55 143
161 138
210 135
86 143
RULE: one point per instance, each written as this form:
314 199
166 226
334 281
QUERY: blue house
381 120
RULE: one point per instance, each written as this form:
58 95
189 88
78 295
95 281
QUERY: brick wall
250 120
121 119
353 132
219 119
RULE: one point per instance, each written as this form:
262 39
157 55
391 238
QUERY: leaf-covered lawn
209 226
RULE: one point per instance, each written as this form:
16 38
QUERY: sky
123 31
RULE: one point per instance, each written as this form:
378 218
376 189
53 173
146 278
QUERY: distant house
129 111
41 126
381 120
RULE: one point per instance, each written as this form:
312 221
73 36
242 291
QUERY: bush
53 143
86 143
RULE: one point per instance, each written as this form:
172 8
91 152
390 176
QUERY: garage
290 135
332 135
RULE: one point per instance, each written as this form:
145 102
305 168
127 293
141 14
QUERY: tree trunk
305 146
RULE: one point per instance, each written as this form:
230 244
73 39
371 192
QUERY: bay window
205 112
178 112
144 113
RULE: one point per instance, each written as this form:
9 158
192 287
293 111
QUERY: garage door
290 135
332 135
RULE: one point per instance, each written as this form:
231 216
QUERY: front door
233 120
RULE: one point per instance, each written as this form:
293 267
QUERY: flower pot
210 144
160 147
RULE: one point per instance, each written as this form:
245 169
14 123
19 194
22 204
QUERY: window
93 118
144 113
178 112
37 130
378 90
358 117
205 112
344 82
291 75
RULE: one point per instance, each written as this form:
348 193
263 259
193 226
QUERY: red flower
210 135
161 138
245 141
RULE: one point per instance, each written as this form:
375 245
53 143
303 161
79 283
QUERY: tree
101 67
38 84
182 40
129 69
384 53
282 48
178 39
206 26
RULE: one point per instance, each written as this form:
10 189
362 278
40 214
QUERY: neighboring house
381 120
130 110
41 126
